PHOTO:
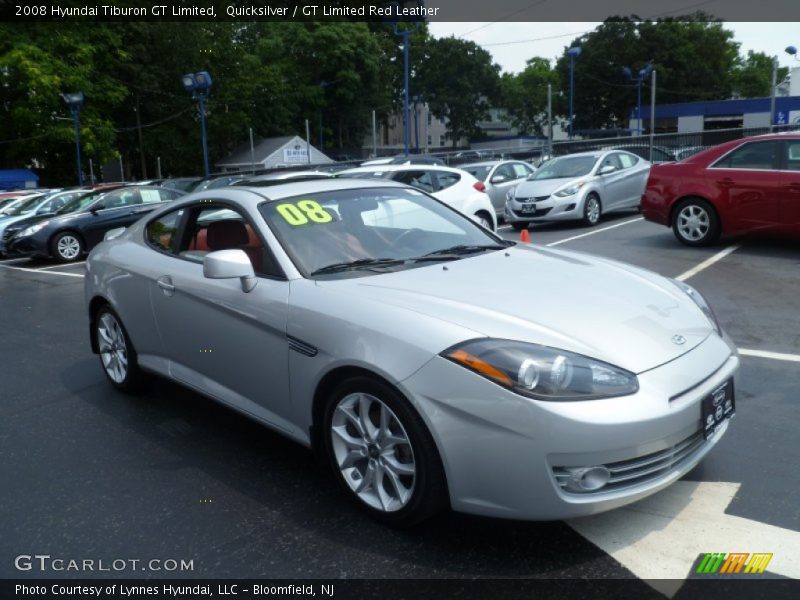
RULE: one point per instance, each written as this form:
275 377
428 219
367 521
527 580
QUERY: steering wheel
407 235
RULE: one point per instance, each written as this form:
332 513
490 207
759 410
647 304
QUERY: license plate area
528 209
718 407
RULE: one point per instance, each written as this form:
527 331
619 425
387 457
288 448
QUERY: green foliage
753 76
524 95
459 82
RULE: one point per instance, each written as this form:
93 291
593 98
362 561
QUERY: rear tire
695 222
485 220
382 454
117 355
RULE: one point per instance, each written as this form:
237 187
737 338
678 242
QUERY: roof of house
262 149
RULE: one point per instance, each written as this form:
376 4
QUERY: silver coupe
389 332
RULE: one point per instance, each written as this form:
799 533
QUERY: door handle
726 181
165 283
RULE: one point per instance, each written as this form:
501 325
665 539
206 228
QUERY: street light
405 33
199 84
75 102
574 53
793 51
639 78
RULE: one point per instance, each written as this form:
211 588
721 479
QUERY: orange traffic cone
525 237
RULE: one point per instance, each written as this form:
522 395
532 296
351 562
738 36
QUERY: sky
550 39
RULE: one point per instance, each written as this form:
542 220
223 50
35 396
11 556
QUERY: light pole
574 53
75 102
199 85
639 78
405 33
417 100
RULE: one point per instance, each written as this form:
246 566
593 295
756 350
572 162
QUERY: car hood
596 307
545 187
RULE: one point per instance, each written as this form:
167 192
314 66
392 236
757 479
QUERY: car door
748 185
116 209
218 339
501 180
613 183
635 171
789 208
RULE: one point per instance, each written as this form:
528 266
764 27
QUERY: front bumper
551 209
26 246
503 453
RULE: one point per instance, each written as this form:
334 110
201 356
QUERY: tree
524 95
459 82
753 76
695 60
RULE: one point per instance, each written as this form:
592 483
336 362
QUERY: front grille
539 212
644 469
540 198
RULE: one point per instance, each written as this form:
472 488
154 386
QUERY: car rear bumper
506 455
655 207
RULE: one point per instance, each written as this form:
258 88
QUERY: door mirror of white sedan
606 169
230 264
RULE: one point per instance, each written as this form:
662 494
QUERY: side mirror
498 179
230 264
606 169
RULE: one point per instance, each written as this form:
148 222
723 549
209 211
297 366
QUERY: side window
124 197
754 155
793 155
612 160
218 227
419 179
447 179
506 171
521 170
150 196
627 160
161 233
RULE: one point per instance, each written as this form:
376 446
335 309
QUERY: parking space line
602 229
708 262
14 260
61 266
770 355
43 272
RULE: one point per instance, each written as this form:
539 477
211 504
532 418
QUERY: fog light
587 479
569 207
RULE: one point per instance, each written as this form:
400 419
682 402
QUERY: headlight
570 190
701 303
542 372
33 229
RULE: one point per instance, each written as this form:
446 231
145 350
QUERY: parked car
499 177
81 223
213 183
660 154
747 185
454 187
682 153
581 186
184 184
279 177
374 324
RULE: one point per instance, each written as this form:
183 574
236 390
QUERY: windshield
24 206
364 231
565 167
78 203
478 173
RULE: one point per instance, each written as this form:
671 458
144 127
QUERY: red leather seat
228 234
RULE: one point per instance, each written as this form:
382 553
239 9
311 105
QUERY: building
17 179
273 152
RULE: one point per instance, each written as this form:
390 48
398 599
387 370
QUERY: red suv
751 184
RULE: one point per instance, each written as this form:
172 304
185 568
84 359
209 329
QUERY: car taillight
478 185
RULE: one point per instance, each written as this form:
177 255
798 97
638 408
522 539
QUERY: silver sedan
377 325
580 186
499 177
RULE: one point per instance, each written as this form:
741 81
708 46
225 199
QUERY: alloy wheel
693 222
69 247
592 210
112 346
373 452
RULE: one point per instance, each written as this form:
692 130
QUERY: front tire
117 354
519 226
66 247
696 222
382 453
592 210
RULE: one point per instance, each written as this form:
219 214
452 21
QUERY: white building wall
755 120
691 124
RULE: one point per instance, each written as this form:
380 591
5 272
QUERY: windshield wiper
460 250
358 264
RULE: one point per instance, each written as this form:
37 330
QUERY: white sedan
454 187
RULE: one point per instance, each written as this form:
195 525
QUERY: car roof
592 153
386 168
489 163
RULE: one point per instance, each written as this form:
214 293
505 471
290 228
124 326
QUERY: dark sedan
81 223
751 184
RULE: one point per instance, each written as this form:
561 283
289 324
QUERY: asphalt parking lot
88 471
